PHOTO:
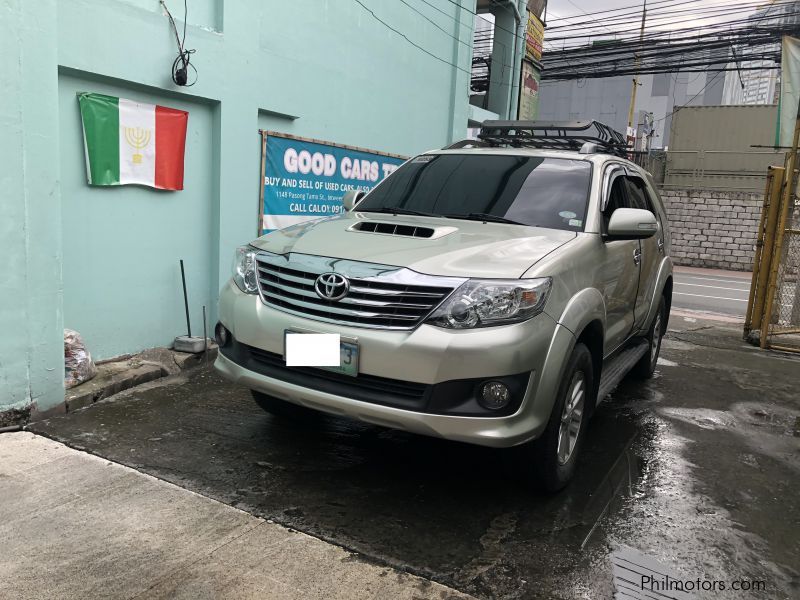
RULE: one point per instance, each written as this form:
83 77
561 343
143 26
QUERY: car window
546 192
638 194
617 198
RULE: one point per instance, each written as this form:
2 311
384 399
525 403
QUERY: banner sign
534 38
304 179
529 92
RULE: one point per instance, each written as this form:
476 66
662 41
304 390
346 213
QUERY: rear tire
282 408
555 452
646 366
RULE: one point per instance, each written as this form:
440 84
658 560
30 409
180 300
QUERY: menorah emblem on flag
138 139
132 142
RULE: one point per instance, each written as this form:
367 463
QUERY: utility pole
636 76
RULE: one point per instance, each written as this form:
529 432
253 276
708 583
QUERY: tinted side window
617 197
638 194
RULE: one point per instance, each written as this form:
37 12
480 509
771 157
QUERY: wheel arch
592 336
667 294
585 317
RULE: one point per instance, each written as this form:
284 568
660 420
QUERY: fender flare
584 307
664 273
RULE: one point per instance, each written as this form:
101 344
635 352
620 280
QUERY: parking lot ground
696 470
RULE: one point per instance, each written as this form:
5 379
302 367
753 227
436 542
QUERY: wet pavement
698 470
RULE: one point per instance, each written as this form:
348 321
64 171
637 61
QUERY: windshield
545 192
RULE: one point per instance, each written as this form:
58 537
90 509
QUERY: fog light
495 395
220 335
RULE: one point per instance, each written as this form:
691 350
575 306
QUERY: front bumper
427 355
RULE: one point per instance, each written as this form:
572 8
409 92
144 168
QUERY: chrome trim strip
342 311
346 300
379 292
287 277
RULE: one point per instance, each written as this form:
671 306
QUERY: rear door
618 266
652 250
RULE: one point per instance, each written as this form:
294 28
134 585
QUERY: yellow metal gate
773 312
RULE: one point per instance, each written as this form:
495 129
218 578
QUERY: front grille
370 302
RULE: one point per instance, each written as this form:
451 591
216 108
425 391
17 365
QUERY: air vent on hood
402 229
393 229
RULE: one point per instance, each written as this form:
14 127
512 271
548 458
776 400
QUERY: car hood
457 247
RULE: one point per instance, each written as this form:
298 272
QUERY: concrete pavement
74 525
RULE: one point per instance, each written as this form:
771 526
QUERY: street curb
116 376
113 376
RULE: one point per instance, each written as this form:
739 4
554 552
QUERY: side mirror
351 198
632 224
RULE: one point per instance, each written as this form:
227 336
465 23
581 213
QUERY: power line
435 24
755 37
669 18
635 8
406 38
584 12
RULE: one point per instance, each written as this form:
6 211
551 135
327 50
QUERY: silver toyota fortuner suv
491 292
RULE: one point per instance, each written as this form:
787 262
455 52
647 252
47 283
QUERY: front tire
555 453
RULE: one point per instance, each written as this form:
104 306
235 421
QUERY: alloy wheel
571 417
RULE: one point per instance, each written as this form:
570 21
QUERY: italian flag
131 142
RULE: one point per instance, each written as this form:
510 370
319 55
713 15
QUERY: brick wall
714 229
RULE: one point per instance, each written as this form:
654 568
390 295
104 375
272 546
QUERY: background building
608 100
756 81
389 76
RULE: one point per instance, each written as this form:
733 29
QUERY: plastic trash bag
78 364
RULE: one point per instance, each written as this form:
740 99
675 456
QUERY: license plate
348 355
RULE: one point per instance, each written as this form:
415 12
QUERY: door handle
637 256
661 245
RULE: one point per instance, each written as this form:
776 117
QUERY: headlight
484 302
244 269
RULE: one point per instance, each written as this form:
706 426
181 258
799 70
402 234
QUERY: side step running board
615 369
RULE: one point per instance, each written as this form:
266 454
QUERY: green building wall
104 261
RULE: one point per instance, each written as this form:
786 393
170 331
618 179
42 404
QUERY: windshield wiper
477 216
396 210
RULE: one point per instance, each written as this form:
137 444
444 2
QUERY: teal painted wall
104 261
121 246
31 351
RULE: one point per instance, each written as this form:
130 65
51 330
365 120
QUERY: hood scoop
401 229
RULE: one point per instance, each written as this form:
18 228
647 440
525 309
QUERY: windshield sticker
567 214
424 158
575 223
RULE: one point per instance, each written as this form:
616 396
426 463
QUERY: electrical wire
753 38
407 39
181 64
435 24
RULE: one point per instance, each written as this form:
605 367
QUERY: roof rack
585 136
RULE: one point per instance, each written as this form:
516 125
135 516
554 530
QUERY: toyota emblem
331 286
